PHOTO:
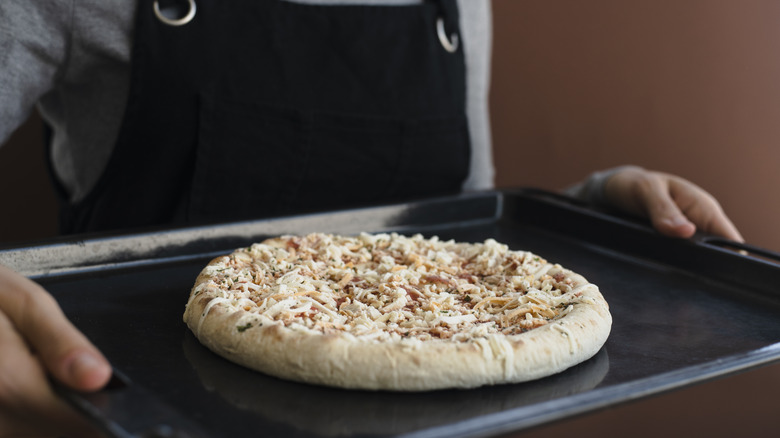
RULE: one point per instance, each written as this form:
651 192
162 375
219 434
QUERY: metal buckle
450 44
175 21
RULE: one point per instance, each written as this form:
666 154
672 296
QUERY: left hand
38 341
676 207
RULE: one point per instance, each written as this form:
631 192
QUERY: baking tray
684 311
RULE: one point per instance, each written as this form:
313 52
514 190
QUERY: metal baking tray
684 311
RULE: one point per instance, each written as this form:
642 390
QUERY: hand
676 207
36 339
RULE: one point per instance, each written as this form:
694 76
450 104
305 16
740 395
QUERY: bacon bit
559 276
340 301
438 279
413 292
310 313
468 277
293 243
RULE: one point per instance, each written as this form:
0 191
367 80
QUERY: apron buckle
179 18
450 44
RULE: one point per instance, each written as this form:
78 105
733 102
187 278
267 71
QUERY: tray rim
86 253
520 418
495 202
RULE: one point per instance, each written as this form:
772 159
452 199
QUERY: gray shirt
71 58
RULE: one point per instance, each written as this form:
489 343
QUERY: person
160 112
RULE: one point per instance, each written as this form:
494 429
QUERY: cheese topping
391 287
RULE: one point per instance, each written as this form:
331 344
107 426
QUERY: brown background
691 87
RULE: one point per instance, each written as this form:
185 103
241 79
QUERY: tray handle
743 249
123 410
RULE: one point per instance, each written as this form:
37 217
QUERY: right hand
36 340
674 205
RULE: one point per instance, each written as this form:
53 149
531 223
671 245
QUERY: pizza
393 312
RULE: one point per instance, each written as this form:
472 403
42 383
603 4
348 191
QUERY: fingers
662 210
25 396
36 339
702 208
64 351
675 206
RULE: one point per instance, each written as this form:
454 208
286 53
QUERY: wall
690 87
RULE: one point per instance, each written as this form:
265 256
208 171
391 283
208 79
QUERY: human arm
36 339
33 48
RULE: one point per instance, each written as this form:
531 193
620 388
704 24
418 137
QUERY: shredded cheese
389 286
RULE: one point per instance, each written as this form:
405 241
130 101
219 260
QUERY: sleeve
34 41
476 24
591 190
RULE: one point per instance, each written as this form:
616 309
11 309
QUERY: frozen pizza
394 312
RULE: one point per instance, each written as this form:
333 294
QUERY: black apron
257 108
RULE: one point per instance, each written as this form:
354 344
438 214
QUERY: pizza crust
337 358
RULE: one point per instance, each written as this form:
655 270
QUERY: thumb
65 352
